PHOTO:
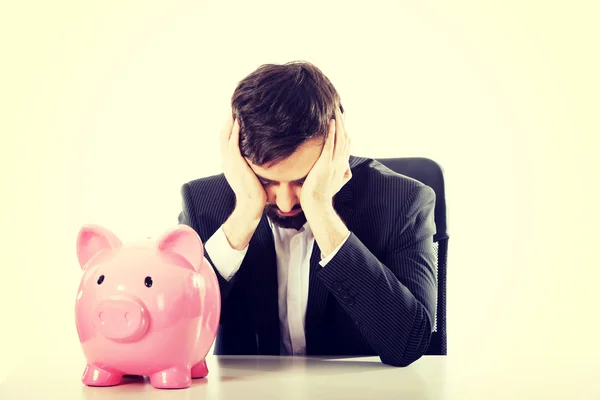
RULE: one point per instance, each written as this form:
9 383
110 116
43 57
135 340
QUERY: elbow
394 362
402 361
407 352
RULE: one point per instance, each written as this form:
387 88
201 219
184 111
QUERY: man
317 252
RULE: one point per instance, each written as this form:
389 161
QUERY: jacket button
337 286
344 294
351 301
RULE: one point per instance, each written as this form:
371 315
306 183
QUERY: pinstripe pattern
431 173
377 296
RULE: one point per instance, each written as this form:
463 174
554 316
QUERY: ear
185 242
93 239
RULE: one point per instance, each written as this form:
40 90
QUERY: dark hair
279 107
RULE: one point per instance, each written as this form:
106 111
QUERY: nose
120 318
285 198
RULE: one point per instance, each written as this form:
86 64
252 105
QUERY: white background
107 108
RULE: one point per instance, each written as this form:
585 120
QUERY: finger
340 142
346 138
330 141
348 145
234 140
346 157
226 132
345 128
344 124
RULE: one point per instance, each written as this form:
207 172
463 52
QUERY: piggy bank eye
101 279
148 281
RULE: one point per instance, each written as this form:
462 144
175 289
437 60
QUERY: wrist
319 206
248 211
328 228
240 227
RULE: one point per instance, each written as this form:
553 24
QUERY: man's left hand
331 171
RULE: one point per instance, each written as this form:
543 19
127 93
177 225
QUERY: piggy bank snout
120 318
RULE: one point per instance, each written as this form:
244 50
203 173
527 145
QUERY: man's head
284 112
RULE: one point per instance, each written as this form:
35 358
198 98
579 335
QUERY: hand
331 171
249 192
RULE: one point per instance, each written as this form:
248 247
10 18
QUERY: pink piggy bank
149 308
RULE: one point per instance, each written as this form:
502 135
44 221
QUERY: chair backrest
431 174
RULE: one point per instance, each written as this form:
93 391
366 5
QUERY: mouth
290 213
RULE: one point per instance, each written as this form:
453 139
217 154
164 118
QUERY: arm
393 301
224 258
187 217
229 244
226 248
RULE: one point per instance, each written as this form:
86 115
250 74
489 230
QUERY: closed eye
267 183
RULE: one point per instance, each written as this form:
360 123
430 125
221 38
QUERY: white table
244 378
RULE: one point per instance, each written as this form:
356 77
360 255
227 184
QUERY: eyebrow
263 179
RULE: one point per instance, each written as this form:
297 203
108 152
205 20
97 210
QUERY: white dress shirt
293 249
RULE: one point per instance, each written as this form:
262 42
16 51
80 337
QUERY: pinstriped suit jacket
376 297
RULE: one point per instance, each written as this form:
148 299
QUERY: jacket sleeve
392 301
188 217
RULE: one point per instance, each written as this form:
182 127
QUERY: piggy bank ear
185 242
93 239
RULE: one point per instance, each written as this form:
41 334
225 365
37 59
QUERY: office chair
431 174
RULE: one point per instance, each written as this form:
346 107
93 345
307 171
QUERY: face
283 184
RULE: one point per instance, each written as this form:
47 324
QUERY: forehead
293 168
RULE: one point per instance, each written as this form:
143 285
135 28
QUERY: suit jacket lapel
262 262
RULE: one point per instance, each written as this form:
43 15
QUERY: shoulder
375 185
211 187
386 204
207 201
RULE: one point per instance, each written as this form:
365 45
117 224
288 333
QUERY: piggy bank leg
172 378
200 370
96 376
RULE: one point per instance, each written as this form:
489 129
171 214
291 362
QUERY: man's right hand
249 193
